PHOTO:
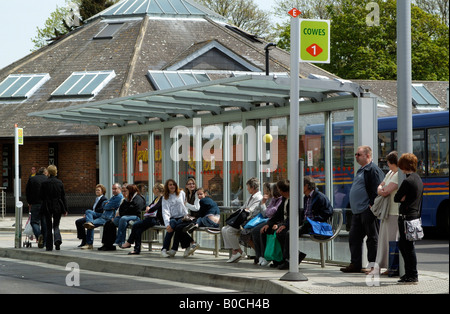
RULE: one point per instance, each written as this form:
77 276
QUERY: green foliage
359 51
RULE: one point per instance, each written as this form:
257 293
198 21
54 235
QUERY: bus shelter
216 132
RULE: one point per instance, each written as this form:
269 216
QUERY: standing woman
409 196
173 211
54 204
389 226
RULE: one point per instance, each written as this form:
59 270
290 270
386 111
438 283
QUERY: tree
66 19
359 51
241 13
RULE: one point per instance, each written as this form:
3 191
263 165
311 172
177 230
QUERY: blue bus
430 145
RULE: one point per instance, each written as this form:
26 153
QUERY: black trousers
109 234
364 224
138 228
53 234
407 250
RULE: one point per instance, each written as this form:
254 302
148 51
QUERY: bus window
438 152
419 150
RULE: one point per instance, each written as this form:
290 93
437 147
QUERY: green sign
315 41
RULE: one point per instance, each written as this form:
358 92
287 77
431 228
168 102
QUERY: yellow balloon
267 138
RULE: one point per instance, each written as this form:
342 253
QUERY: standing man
94 220
54 205
34 204
362 195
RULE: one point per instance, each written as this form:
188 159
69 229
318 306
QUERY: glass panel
418 98
109 31
16 86
140 163
202 78
419 150
157 150
236 187
154 8
6 84
188 79
120 159
159 80
212 172
93 84
28 86
175 79
312 149
63 89
425 93
384 148
278 161
343 157
178 5
78 87
166 7
186 165
438 152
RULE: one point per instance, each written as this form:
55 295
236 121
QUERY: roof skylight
171 79
84 84
21 86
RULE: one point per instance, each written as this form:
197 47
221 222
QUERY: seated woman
173 211
152 217
131 212
208 215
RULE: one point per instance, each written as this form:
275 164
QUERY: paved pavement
204 269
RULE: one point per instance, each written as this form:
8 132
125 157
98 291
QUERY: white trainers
164 253
263 261
236 257
172 253
190 250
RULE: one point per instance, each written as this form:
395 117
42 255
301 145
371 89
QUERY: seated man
94 220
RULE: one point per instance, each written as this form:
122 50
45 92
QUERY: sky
20 19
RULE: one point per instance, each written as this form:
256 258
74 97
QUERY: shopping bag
255 221
320 228
28 230
273 250
394 260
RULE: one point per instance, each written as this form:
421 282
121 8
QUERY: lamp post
267 49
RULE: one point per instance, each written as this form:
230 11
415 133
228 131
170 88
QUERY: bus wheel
443 219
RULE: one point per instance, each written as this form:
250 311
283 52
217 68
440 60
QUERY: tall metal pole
294 192
18 204
404 78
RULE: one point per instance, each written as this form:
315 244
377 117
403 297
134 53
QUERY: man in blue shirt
362 196
94 220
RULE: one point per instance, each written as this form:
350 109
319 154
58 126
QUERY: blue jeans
97 220
36 221
206 222
174 222
121 224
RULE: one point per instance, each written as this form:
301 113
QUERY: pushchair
28 233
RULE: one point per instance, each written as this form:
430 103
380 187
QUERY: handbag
259 219
320 228
237 218
273 250
413 229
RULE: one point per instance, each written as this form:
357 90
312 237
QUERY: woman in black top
409 195
152 217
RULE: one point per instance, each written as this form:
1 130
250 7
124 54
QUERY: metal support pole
404 77
18 204
294 192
